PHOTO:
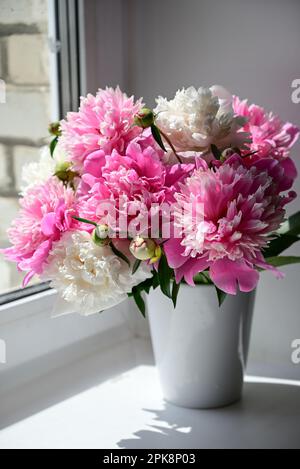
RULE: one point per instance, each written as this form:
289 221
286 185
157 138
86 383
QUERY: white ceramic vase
201 349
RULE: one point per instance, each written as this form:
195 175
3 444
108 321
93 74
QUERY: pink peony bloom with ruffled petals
139 177
242 206
270 136
103 122
46 212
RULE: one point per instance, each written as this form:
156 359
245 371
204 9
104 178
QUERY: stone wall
25 115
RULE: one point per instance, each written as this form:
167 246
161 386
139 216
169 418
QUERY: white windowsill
37 343
75 382
111 399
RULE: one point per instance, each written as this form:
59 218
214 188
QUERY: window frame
68 16
66 44
27 314
71 54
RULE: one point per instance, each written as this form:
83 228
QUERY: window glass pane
25 108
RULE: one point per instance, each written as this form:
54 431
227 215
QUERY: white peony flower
196 119
37 172
89 278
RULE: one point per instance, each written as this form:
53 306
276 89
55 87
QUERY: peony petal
292 132
36 261
228 275
290 169
260 262
27 278
94 163
191 268
48 224
177 172
174 252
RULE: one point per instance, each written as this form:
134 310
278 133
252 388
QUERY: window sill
112 399
37 343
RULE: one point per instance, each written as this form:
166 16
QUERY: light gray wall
253 48
106 45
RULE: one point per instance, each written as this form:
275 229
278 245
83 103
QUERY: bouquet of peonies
127 199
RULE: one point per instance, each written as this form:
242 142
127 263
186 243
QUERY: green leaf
136 293
84 220
53 145
136 266
291 226
157 137
280 244
155 279
279 261
288 235
165 274
207 277
119 253
215 151
147 284
221 296
202 278
175 291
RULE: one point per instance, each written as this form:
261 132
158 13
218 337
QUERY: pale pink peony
104 121
241 206
270 136
46 212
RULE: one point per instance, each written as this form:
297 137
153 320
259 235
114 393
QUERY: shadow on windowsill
268 416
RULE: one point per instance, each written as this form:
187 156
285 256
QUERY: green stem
171 145
84 220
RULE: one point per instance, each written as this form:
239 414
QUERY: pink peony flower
104 121
139 178
241 206
270 136
46 212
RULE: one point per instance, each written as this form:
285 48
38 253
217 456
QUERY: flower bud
157 255
143 249
226 154
100 235
64 172
144 118
102 231
54 129
62 166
